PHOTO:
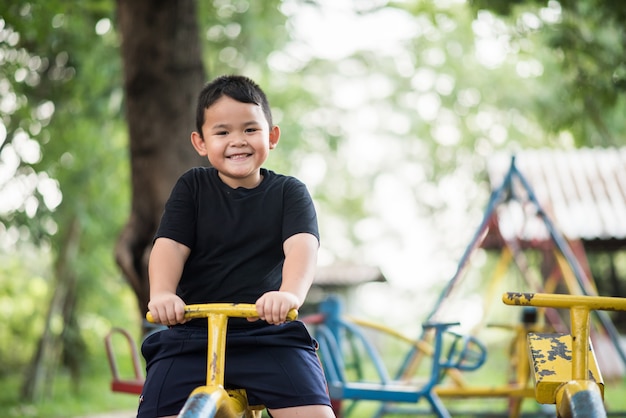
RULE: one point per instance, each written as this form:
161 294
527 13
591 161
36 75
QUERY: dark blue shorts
276 364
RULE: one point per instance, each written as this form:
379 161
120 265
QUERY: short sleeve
179 217
299 211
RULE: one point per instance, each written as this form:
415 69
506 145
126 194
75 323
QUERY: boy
235 232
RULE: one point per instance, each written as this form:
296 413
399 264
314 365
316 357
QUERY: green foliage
67 88
586 40
64 126
239 35
23 288
502 7
24 293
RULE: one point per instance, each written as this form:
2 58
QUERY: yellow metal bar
231 403
504 391
382 328
216 349
232 310
587 285
422 347
522 367
496 279
226 406
217 315
568 275
579 317
546 300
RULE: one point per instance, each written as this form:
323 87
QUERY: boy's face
237 140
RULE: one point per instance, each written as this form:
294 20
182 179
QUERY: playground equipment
205 401
212 400
120 383
347 349
567 273
126 378
450 351
564 365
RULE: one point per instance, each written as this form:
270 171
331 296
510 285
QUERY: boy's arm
298 274
165 267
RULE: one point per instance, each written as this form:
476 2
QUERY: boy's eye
251 130
220 133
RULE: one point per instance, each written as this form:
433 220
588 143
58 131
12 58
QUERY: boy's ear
198 143
274 136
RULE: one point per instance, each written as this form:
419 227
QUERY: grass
92 397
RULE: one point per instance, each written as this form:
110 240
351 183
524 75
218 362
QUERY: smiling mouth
237 157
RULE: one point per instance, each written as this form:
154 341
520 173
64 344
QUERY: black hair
236 87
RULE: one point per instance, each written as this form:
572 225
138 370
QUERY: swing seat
134 384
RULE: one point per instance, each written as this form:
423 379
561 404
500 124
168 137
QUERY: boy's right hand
167 309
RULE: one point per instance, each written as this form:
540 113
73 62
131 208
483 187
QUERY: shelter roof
347 274
582 191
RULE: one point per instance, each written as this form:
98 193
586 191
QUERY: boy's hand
273 306
167 309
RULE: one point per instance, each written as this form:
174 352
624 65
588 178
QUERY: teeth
238 156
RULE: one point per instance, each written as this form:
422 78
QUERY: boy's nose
240 141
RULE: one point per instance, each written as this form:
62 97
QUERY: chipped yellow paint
598 303
213 397
551 359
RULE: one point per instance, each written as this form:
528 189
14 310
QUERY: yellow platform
551 359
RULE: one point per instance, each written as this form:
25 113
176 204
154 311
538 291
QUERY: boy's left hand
273 306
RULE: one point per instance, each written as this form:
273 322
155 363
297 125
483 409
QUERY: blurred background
401 118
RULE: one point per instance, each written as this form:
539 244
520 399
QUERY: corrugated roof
583 192
344 274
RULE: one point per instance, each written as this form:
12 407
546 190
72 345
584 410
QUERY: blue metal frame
464 353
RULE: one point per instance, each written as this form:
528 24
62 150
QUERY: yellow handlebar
231 310
548 300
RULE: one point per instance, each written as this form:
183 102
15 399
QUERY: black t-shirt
235 235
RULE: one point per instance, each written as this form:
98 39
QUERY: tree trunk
163 74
